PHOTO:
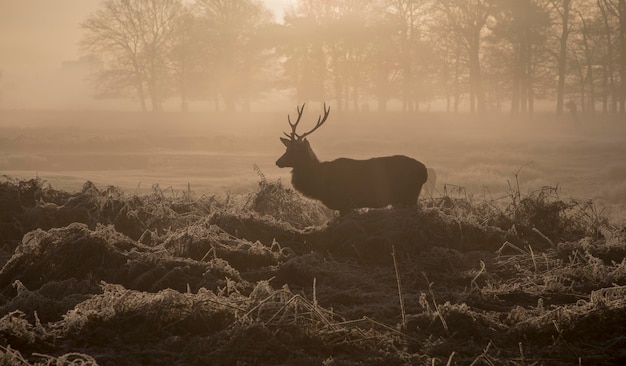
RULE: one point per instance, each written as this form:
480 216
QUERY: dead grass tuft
171 278
286 205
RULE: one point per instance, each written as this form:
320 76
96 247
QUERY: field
215 153
173 239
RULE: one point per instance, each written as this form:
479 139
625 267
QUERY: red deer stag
344 184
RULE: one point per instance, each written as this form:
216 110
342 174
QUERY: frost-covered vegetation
102 276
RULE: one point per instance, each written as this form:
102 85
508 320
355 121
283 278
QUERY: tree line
476 55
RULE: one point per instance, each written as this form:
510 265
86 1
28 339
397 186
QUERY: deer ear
285 141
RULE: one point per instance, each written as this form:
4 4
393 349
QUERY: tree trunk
407 83
142 96
622 39
154 96
153 87
529 79
517 80
477 96
457 77
581 83
562 56
589 72
354 76
519 102
609 80
522 79
184 106
338 75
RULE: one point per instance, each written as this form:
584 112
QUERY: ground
130 238
100 276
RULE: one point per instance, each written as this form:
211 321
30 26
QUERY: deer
346 184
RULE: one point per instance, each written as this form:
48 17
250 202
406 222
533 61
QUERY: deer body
345 184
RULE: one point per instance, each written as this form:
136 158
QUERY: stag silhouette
345 184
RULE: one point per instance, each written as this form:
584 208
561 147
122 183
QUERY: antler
320 122
295 125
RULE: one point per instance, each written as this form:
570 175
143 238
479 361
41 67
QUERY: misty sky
36 36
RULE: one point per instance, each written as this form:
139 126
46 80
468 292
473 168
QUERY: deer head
299 152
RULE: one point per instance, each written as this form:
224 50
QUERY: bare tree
236 55
341 49
406 16
305 65
414 52
620 11
467 18
523 23
187 58
452 72
562 7
382 57
133 37
614 12
609 77
589 62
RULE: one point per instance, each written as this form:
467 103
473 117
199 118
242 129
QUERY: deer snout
285 161
281 162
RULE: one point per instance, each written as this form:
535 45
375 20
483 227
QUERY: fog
63 121
215 153
40 58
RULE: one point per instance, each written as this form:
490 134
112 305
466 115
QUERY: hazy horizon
41 34
356 57
37 37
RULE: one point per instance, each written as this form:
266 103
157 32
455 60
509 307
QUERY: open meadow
213 153
164 239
